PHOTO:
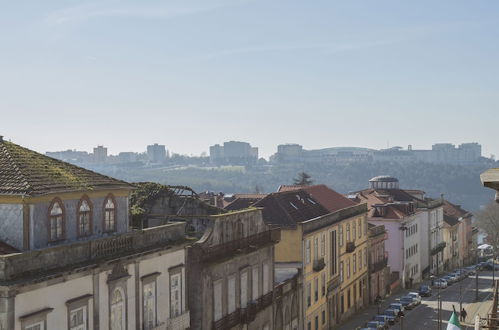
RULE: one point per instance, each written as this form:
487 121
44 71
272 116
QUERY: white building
68 259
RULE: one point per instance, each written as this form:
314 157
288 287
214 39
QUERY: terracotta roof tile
327 197
26 172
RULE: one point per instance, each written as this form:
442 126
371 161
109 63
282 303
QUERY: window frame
50 217
79 303
79 213
36 318
105 229
147 280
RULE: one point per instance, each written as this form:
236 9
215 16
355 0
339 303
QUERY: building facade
231 272
70 260
379 272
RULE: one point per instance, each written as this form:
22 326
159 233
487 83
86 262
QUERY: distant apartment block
100 154
156 153
233 153
441 153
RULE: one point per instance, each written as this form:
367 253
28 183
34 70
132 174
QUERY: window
340 232
348 268
323 317
255 282
360 288
309 326
84 217
244 289
149 298
341 271
117 318
309 294
333 253
342 304
316 322
110 214
360 259
365 257
266 282
323 245
366 226
323 286
231 294
56 220
354 231
354 263
354 291
78 319
36 326
316 248
316 289
348 232
349 299
176 294
307 251
217 300
360 227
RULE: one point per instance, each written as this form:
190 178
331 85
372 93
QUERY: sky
190 74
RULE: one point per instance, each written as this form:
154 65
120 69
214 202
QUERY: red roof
327 197
454 211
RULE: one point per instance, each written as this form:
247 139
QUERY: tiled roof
451 221
327 197
26 172
454 211
290 207
241 203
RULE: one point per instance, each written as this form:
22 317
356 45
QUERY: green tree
303 179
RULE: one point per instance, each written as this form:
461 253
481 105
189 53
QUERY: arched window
110 214
117 317
56 220
84 217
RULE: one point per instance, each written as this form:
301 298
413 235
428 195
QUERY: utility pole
476 275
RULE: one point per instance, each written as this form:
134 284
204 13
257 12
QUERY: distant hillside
459 184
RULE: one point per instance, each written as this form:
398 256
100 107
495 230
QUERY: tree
303 179
488 221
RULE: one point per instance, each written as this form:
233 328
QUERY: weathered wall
11 224
39 220
56 292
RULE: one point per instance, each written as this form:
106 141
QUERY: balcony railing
333 284
439 248
350 247
220 251
319 265
244 315
181 321
379 265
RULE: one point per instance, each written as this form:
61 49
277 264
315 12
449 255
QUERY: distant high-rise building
233 153
100 154
156 153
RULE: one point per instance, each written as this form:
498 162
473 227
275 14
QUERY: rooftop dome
384 182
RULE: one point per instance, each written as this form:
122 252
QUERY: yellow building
311 239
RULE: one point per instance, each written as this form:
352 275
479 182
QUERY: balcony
333 284
182 321
379 265
244 315
221 251
439 248
350 247
319 265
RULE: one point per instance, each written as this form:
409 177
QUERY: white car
442 284
416 296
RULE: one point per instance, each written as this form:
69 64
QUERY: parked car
489 265
386 319
449 279
375 325
407 302
471 270
396 306
425 291
392 313
481 265
416 296
440 283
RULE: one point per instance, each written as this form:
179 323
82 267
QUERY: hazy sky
189 74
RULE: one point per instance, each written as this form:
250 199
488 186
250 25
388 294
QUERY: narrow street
425 316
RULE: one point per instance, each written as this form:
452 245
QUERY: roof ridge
25 181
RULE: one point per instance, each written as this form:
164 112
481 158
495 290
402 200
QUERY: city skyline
352 73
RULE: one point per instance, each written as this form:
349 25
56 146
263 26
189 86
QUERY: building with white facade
68 258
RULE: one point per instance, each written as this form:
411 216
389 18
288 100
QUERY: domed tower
384 182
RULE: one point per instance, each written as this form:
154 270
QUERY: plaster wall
11 224
54 296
